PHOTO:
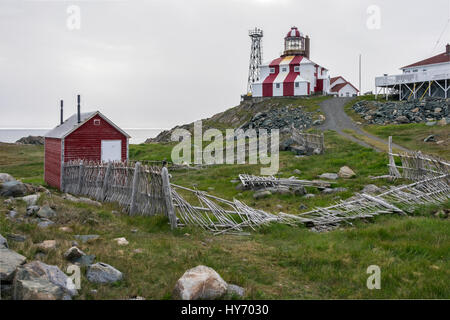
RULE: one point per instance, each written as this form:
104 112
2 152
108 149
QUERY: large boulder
3 242
73 254
346 172
12 189
9 261
200 282
36 280
5 177
103 273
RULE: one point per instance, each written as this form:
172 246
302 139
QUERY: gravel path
337 120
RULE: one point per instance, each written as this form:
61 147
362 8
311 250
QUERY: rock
31 199
302 207
36 275
38 289
44 223
234 290
440 142
329 176
333 190
103 273
65 229
36 140
85 260
371 189
32 210
121 241
430 138
134 230
200 282
73 254
299 191
5 177
437 110
279 206
346 172
90 202
12 189
46 212
402 119
6 291
296 171
47 245
415 110
138 250
262 194
309 195
87 237
12 214
442 122
431 123
9 261
3 242
16 237
241 187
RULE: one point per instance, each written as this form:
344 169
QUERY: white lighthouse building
292 74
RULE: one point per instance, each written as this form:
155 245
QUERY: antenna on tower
255 58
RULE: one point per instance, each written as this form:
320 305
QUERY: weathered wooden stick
168 198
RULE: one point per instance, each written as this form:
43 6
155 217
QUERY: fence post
62 176
393 171
322 143
135 190
80 177
168 198
105 182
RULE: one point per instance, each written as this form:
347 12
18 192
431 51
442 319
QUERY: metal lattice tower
255 57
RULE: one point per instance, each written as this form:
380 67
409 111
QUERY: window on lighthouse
272 70
297 69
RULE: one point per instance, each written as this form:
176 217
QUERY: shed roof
71 124
440 58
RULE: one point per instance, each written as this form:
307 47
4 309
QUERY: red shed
85 136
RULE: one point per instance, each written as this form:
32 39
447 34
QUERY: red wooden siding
52 169
85 142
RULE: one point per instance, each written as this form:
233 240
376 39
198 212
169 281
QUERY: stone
36 140
16 237
303 207
442 122
12 189
200 282
279 206
65 229
431 123
134 230
241 187
371 189
299 191
103 273
415 110
296 171
236 291
5 177
309 195
329 176
9 261
402 119
85 260
87 237
437 110
90 202
37 272
121 241
138 250
32 210
44 223
346 172
47 245
262 194
31 199
440 142
12 214
73 253
38 289
430 138
333 190
3 242
46 212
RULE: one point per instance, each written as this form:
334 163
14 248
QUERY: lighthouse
293 73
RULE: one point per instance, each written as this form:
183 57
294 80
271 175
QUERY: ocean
12 135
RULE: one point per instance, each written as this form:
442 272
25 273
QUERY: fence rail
139 189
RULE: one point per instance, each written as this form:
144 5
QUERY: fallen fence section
416 166
309 140
270 181
139 189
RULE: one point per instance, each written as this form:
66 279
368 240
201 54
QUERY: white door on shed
111 150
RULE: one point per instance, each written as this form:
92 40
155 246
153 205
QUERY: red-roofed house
426 77
342 88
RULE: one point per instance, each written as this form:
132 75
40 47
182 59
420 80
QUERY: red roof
332 80
339 86
440 58
293 33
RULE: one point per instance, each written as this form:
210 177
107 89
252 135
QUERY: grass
274 262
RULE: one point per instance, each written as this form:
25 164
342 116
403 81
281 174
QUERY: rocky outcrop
428 110
36 140
200 282
9 261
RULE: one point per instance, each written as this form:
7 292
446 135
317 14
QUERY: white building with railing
429 77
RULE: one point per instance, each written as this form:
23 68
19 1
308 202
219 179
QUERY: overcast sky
159 63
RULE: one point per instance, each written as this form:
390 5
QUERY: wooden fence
309 140
139 189
416 166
